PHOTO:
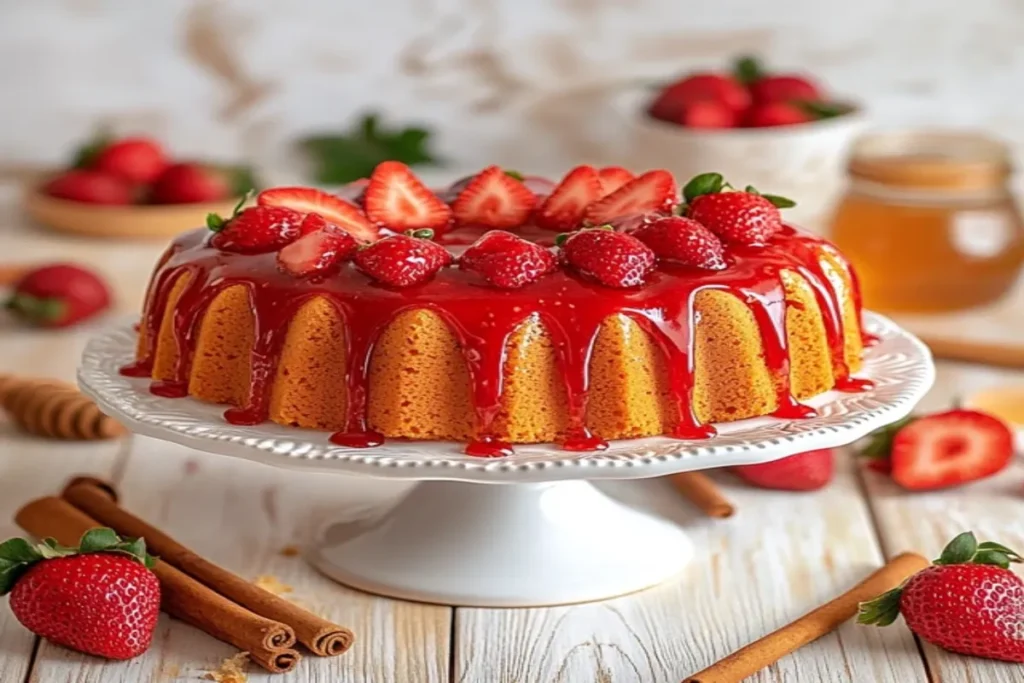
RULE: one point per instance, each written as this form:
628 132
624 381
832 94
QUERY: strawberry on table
334 209
396 199
92 187
256 230
948 449
683 240
403 260
807 471
506 260
614 259
138 160
320 250
652 191
494 199
58 295
564 208
967 602
739 216
612 178
100 598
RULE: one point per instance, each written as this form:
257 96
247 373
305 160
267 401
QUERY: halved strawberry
951 448
336 210
320 252
612 178
494 199
563 209
395 198
652 191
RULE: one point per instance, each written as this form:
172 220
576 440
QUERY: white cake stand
545 537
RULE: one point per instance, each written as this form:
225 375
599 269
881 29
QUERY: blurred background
524 83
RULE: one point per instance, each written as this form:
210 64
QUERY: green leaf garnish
705 183
881 611
960 550
748 69
344 157
780 202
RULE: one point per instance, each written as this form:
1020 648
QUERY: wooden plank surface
242 515
780 556
31 467
925 522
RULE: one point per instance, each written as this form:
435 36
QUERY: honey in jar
929 222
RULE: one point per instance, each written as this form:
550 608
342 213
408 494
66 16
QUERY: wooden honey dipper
55 409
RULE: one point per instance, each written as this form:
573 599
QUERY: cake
658 315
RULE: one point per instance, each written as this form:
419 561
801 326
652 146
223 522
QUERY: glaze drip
482 319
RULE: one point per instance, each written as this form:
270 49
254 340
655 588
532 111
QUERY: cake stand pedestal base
517 545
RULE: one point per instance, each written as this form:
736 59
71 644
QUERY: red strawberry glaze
482 319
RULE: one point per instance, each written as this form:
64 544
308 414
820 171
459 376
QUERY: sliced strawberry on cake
320 251
396 199
564 208
494 199
336 210
652 191
612 178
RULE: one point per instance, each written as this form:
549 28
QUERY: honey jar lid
931 159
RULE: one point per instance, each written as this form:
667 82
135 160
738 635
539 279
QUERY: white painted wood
780 556
242 516
32 467
925 522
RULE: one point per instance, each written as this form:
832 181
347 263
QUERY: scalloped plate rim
900 364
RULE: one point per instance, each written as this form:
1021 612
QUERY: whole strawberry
968 602
614 259
744 217
403 260
683 240
100 598
137 160
807 471
256 230
187 183
58 295
91 187
507 261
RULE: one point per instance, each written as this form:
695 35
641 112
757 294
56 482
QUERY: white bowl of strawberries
762 129
130 187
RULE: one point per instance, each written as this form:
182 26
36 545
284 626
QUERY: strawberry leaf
823 110
98 540
879 444
748 70
960 550
993 557
1013 555
515 175
780 202
85 156
17 550
353 154
705 183
881 611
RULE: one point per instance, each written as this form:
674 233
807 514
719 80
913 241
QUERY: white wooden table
781 555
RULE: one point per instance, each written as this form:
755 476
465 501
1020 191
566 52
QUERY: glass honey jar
929 222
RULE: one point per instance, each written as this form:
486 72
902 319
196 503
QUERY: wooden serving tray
131 221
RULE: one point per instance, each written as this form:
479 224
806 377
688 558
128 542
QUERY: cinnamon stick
11 273
267 642
759 654
700 490
99 501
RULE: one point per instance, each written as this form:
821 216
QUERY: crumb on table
272 584
290 551
231 670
